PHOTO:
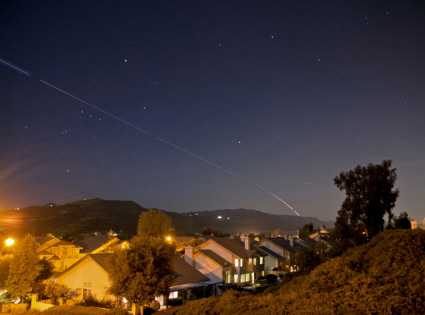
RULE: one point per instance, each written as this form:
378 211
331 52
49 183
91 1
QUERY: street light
9 242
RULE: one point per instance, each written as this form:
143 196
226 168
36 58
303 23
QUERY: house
100 244
279 251
89 276
62 254
415 225
227 260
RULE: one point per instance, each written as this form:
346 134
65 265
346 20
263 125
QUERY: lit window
255 261
250 261
247 277
173 295
236 278
236 262
241 262
261 260
242 277
228 277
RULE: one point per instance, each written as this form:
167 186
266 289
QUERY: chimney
188 254
291 241
247 242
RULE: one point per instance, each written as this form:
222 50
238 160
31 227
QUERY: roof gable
232 245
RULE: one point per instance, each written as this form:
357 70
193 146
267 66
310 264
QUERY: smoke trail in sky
15 67
20 70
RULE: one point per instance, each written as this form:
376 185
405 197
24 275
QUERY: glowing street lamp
9 242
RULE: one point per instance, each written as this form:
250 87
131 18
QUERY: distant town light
219 217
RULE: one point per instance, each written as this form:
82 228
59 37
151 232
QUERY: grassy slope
385 276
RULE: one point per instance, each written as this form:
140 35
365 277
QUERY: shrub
91 300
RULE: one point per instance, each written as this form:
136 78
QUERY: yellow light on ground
9 242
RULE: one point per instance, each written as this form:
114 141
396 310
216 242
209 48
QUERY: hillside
98 215
385 276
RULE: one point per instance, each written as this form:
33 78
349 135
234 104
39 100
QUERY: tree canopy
154 223
402 221
306 230
144 271
369 197
24 267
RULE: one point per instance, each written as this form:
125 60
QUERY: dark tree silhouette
369 197
402 221
144 271
306 230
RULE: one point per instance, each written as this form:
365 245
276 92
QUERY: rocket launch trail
28 73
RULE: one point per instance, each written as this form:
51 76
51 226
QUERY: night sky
205 105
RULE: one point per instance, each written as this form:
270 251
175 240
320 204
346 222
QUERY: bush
14 308
91 300
271 278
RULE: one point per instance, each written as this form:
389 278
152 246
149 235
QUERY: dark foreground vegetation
384 276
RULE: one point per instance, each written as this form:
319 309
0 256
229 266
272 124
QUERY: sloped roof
45 253
215 257
91 243
185 273
43 239
182 239
234 245
64 243
269 252
283 243
307 240
102 259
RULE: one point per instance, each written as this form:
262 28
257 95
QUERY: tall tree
306 230
24 267
4 268
402 221
144 271
369 197
46 270
154 223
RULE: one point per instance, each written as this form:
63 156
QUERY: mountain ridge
99 215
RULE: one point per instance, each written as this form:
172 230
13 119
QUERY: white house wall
219 251
273 248
209 268
270 263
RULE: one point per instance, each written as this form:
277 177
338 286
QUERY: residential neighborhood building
100 244
227 260
89 276
278 251
415 225
60 253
